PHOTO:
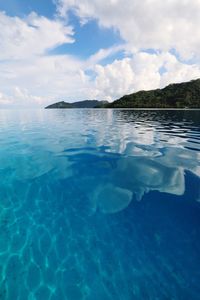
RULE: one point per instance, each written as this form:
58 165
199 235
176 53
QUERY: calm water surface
99 205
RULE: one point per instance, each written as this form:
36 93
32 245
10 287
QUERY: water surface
99 204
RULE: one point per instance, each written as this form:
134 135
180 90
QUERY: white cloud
142 72
29 76
20 98
33 35
44 78
104 53
4 100
145 24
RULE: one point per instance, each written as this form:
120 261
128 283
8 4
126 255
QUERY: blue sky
88 38
73 50
23 7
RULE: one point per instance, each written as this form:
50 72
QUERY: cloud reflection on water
113 156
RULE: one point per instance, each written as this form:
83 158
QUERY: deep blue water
99 205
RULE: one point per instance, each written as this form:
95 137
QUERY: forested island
178 95
78 104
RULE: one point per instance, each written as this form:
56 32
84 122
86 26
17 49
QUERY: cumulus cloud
145 24
22 38
19 97
143 71
4 99
29 75
45 79
48 78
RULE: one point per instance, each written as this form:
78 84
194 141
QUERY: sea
99 204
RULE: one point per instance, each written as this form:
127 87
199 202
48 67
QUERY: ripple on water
99 204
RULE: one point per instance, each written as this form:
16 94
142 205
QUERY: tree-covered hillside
180 95
78 104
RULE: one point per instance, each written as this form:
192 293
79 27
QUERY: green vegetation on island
79 104
179 95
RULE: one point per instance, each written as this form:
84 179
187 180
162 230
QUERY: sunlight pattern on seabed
99 204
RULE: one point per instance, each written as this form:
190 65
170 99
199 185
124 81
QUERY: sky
72 50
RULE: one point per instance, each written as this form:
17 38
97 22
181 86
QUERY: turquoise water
99 205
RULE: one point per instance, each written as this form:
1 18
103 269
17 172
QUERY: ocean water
99 205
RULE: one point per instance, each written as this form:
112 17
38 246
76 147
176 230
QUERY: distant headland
178 95
79 104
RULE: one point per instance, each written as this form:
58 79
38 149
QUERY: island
177 95
79 104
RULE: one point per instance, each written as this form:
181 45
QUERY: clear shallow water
99 204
